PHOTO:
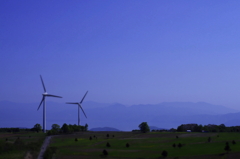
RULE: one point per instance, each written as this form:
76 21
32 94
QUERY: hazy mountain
155 128
163 115
104 129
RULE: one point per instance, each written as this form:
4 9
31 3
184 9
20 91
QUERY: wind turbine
45 94
79 106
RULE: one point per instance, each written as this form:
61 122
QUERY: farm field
20 145
146 145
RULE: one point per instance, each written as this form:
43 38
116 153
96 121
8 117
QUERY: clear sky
130 52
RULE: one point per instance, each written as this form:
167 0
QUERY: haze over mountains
126 118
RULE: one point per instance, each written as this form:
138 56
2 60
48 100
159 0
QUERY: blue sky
130 52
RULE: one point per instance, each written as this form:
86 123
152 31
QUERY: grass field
21 144
146 145
141 145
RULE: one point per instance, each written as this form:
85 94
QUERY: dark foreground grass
148 145
17 145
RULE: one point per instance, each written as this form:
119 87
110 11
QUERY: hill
104 129
163 115
155 128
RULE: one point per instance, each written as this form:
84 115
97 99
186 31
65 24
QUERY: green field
141 145
20 145
146 145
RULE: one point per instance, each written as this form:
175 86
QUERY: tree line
56 129
207 128
14 129
66 129
144 128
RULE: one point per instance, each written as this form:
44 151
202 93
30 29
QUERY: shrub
164 153
76 139
108 145
107 135
227 148
90 138
174 145
179 145
127 145
177 137
209 139
105 152
233 142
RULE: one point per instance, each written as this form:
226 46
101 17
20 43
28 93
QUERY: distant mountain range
155 128
104 129
164 115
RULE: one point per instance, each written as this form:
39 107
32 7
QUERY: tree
65 128
180 128
127 145
55 127
108 145
144 127
37 127
222 128
197 128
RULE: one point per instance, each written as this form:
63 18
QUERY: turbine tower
79 106
45 94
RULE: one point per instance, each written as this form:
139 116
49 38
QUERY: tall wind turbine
45 94
79 106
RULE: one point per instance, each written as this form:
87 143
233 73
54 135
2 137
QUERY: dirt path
44 147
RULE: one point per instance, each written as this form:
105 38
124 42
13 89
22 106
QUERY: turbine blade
82 110
50 95
41 102
43 84
70 103
83 97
